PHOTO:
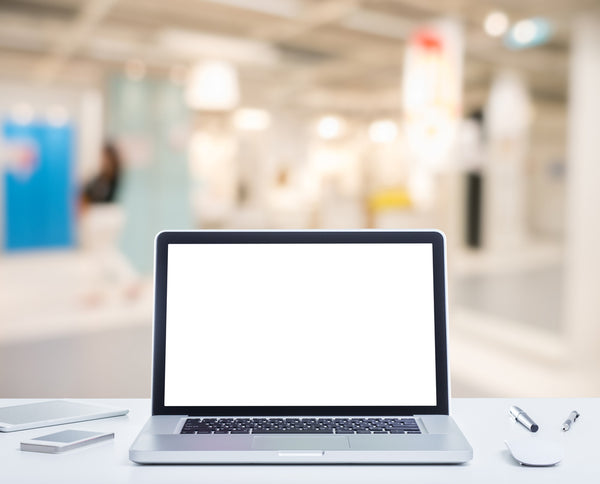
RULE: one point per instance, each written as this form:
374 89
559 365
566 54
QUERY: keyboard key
283 431
296 425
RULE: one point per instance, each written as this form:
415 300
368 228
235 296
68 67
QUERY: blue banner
39 189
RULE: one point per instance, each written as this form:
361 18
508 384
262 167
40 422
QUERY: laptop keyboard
384 425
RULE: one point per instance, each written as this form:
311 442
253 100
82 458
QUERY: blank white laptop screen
300 324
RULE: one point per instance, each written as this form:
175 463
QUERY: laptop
291 347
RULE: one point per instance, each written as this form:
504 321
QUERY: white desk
485 423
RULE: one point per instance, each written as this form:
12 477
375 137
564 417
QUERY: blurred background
121 118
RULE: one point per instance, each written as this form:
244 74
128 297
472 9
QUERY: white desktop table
485 423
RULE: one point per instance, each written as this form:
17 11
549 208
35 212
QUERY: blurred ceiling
342 54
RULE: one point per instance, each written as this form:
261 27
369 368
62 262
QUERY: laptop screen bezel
435 238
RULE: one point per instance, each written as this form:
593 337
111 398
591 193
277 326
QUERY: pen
574 415
524 419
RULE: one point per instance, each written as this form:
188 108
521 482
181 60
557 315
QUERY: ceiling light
508 108
330 127
528 33
383 131
213 86
525 31
251 119
496 24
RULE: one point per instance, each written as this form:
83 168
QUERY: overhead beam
72 39
310 17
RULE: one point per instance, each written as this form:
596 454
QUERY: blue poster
39 189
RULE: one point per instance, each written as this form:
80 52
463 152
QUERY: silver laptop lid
300 323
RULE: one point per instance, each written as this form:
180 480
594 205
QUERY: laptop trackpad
300 442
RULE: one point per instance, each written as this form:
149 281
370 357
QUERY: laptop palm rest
295 442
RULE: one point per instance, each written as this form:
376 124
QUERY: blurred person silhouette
472 143
288 207
102 188
106 271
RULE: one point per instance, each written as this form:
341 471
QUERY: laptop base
442 443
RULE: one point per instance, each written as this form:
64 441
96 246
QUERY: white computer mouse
535 452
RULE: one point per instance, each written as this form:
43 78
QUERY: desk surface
485 423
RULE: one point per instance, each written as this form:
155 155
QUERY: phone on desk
63 441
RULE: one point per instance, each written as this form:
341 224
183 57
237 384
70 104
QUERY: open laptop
300 347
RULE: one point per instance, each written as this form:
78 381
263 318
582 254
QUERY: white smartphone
63 441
